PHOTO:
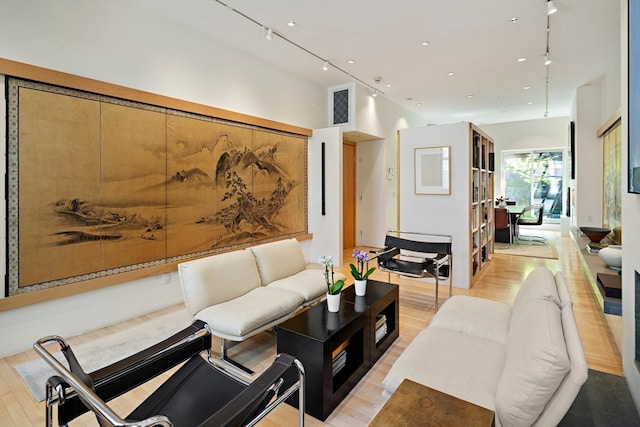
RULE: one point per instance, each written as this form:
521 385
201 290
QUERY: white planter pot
333 302
361 287
612 256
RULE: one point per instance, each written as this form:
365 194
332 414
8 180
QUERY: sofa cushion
573 381
309 283
216 279
535 363
563 291
277 260
540 283
241 316
474 316
464 366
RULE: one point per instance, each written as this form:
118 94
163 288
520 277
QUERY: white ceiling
472 38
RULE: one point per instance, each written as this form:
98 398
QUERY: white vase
612 256
333 302
361 287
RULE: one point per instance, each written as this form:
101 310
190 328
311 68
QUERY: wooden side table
413 404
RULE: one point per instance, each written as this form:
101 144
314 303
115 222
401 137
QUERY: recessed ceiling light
450 73
469 96
351 61
514 20
409 99
291 23
425 43
529 103
388 85
526 87
522 59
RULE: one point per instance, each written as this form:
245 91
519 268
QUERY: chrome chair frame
523 221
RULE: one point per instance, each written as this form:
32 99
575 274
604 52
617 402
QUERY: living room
160 63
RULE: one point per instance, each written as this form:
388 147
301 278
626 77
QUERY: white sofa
242 293
524 361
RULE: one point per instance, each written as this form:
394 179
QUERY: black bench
418 255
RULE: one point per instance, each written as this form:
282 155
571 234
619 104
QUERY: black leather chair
531 215
199 393
418 255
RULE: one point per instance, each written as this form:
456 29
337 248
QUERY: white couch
523 360
245 292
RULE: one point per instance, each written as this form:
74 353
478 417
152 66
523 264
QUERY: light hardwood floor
500 281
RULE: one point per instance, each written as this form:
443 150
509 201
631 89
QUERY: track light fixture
551 8
268 33
375 93
547 59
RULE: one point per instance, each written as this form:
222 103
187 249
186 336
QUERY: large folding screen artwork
100 185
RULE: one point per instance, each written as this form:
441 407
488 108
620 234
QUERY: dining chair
531 215
503 221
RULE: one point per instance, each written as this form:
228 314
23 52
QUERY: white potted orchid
333 287
362 272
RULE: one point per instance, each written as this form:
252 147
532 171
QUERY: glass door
532 177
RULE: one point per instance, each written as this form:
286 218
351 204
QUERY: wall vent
342 105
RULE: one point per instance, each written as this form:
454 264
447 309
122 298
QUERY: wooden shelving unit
482 200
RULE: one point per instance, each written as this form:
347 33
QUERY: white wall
631 243
380 117
440 214
327 228
588 183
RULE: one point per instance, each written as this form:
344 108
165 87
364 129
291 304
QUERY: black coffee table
337 349
381 299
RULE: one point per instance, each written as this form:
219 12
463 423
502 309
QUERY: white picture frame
431 170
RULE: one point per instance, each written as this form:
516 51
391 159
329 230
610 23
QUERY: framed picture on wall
634 98
431 170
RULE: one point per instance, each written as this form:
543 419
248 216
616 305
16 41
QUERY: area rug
603 400
548 250
101 352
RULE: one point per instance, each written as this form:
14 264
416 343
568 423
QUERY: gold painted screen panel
100 185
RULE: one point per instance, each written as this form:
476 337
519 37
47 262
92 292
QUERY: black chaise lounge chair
199 393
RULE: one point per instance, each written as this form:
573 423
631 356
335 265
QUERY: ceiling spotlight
351 61
522 59
526 87
268 33
450 73
291 23
325 66
551 8
425 43
514 20
547 59
388 85
375 93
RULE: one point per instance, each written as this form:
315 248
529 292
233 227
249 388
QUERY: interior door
349 194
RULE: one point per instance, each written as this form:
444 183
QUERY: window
531 177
